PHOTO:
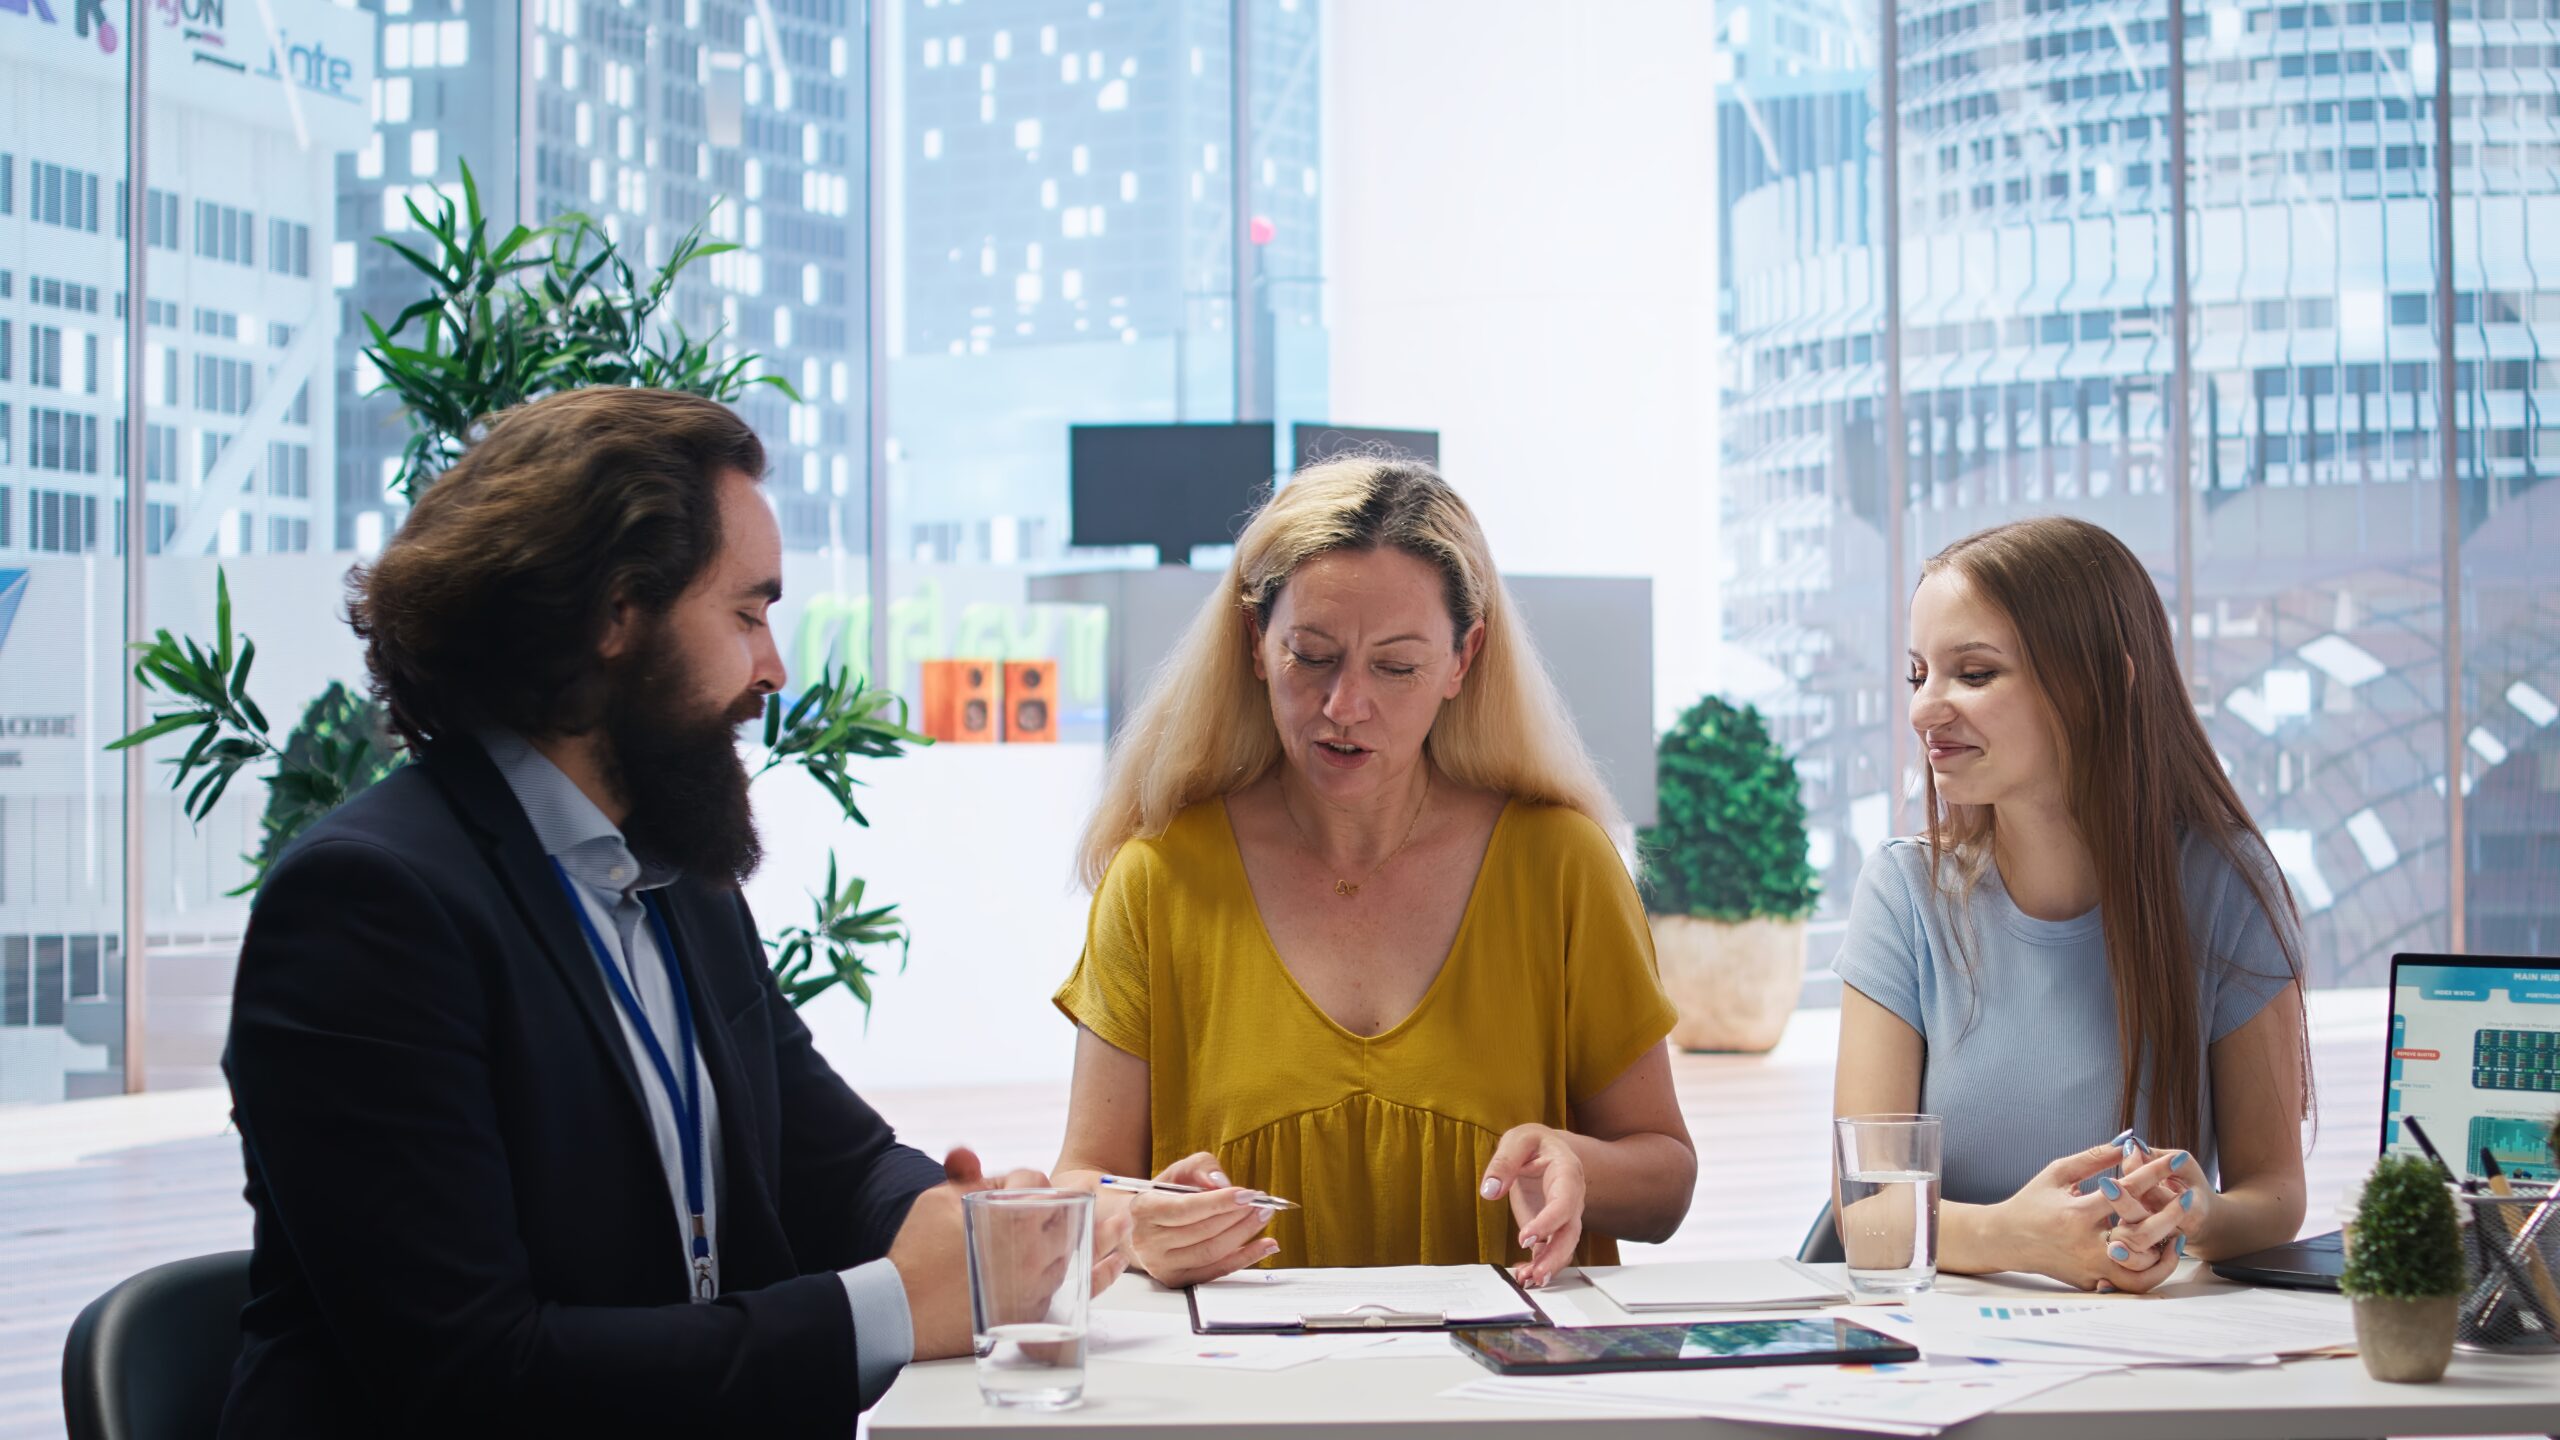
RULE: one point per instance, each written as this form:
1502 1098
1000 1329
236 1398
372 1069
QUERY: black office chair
1822 1243
151 1358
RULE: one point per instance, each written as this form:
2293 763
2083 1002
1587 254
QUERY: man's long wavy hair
2138 774
1205 726
486 608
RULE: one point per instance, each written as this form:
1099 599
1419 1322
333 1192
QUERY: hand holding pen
1191 1223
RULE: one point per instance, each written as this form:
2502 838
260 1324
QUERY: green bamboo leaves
504 320
543 308
315 772
810 959
213 690
836 720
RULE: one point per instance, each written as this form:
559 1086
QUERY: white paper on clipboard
1382 1297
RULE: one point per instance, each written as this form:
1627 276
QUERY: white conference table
1398 1399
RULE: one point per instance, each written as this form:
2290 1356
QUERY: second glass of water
1030 1294
1887 1168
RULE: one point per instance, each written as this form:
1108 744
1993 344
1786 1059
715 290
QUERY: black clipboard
1372 1319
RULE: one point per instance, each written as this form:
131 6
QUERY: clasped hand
2102 1232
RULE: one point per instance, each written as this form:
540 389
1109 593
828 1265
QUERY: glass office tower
650 118
2037 361
1064 246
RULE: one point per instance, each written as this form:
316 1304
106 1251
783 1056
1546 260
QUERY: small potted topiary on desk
2404 1271
1726 884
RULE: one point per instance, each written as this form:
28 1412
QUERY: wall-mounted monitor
1170 486
1311 443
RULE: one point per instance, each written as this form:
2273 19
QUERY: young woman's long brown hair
2138 774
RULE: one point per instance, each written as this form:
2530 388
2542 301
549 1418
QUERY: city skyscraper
1803 588
747 115
2037 358
1064 249
247 109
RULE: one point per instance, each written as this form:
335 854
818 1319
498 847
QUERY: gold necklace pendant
1350 889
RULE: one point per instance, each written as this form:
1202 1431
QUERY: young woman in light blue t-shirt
2091 938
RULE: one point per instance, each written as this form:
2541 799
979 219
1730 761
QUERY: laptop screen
2475 1059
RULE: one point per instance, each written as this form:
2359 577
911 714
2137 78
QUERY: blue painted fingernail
2177 1160
2112 1190
2112 1222
2119 1252
2182 1247
2186 1199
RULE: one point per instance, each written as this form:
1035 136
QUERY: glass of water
1887 1168
1030 1294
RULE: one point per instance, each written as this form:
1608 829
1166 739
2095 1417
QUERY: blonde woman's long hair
1205 729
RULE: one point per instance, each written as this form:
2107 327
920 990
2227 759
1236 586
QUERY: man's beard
676 767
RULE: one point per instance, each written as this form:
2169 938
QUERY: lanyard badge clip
704 1290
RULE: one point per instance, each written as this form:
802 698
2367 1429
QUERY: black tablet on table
1705 1345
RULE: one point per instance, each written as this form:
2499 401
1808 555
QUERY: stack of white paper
2247 1327
1916 1399
1715 1285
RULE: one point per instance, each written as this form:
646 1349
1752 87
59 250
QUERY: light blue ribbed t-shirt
2022 1058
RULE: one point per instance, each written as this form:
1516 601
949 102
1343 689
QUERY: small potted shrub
1725 881
2404 1271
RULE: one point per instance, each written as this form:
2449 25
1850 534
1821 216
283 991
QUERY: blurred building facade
2035 339
748 117
1065 248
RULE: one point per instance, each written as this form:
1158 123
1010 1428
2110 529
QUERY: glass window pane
1063 213
1803 474
2506 245
2318 619
61 566
246 394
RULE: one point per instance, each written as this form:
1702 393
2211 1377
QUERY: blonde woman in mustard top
1359 936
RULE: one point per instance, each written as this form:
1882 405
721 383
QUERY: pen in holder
2511 1255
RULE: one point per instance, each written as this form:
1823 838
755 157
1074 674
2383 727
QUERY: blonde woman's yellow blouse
1547 996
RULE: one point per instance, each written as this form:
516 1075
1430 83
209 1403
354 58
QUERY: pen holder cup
2498 1313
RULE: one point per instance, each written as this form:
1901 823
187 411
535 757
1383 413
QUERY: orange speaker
1031 702
960 701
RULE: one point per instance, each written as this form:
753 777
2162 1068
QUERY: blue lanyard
684 1097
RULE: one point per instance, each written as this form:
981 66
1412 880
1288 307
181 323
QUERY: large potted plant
1725 881
2404 1271
507 319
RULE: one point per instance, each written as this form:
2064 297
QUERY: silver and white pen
1162 1187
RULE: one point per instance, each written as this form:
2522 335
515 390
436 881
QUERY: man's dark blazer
464 1226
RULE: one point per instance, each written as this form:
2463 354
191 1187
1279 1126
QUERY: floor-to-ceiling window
274 147
2315 474
63 248
1802 307
1063 249
2506 268
2396 749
